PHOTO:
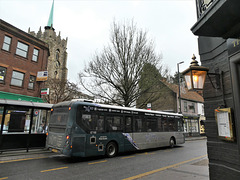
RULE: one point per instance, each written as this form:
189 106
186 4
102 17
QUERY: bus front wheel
111 149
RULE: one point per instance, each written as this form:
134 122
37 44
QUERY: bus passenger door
128 133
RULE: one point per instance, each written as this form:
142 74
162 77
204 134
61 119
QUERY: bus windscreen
59 116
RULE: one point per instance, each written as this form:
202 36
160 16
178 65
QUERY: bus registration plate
54 150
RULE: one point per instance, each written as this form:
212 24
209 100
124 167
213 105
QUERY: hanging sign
42 76
45 91
149 106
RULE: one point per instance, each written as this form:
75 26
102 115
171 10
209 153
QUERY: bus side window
100 124
180 125
128 124
152 125
86 120
165 123
160 124
137 126
114 123
172 124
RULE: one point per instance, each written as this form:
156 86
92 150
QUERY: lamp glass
198 79
188 80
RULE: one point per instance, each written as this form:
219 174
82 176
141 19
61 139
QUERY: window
185 106
22 49
152 125
114 123
172 124
193 107
40 121
165 123
138 124
180 124
31 82
128 124
35 55
160 124
17 78
6 43
91 122
60 116
57 54
2 74
17 119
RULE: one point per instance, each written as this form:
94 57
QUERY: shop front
191 126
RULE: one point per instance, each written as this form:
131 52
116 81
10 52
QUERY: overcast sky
87 24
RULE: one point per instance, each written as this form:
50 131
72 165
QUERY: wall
223 156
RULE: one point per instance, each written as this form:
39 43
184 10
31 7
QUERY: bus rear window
59 116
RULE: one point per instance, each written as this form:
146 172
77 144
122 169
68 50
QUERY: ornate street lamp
195 75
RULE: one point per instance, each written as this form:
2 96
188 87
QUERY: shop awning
19 97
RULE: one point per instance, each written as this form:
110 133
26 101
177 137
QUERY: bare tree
114 74
62 91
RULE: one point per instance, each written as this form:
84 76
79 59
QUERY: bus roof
88 103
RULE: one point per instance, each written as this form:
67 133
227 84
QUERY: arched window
57 54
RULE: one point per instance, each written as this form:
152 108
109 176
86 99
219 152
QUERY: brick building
22 56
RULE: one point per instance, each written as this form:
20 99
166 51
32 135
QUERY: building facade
218 29
22 56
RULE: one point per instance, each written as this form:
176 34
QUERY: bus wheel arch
111 149
172 142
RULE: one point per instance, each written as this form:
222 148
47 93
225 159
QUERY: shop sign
45 91
42 76
233 46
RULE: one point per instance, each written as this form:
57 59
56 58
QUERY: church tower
57 61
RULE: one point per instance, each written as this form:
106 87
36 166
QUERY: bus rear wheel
111 149
171 142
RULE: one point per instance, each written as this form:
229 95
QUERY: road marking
169 150
3 178
146 153
26 159
54 169
141 153
97 162
163 168
127 157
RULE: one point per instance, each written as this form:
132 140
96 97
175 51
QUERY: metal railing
203 5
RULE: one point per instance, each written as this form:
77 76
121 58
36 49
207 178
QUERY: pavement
194 169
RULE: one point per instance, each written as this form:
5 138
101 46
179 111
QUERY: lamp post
179 92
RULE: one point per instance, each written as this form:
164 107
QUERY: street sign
149 106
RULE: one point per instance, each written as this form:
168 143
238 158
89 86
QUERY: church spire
50 19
